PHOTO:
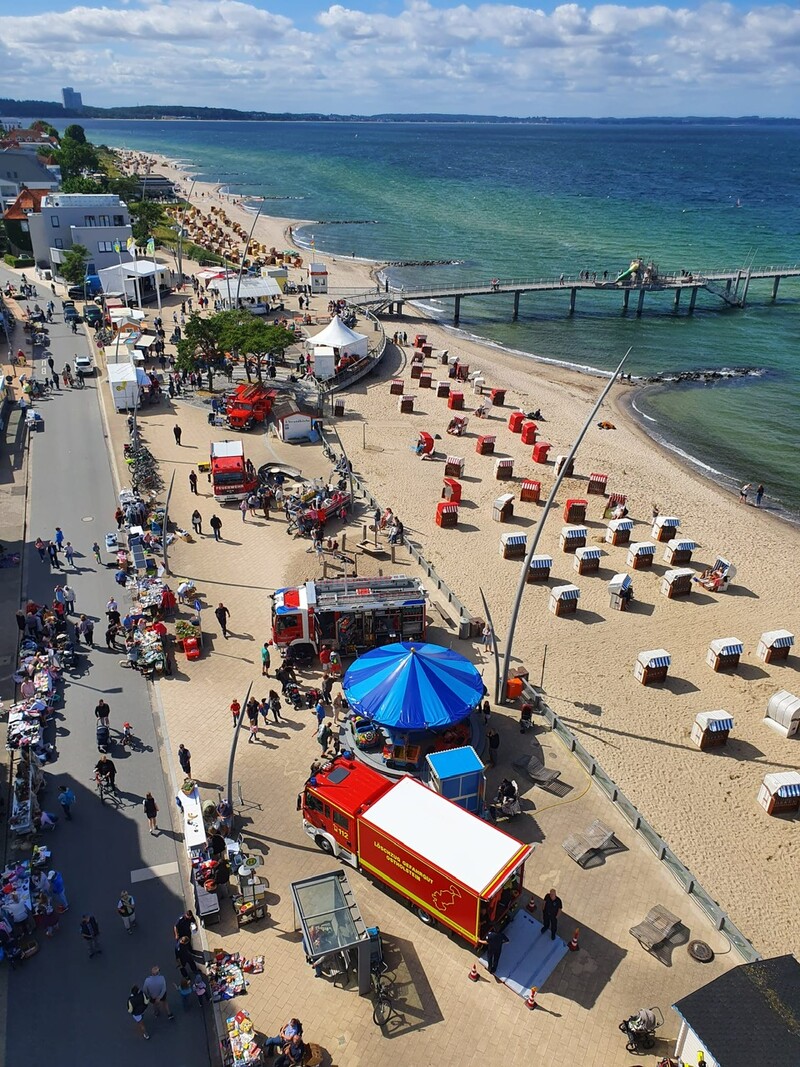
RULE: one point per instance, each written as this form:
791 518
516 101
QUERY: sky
560 59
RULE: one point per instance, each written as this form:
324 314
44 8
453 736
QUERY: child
96 550
185 989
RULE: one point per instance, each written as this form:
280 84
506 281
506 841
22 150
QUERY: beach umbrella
413 686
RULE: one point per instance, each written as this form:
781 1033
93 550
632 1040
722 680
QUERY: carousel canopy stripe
413 686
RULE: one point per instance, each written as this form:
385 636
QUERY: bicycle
102 786
382 1010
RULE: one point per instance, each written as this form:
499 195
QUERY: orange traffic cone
573 945
530 1003
530 907
473 974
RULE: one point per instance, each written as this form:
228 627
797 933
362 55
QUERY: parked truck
250 403
231 477
452 867
351 614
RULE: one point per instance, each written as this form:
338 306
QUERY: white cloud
482 57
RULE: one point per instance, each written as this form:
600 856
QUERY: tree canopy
76 156
208 341
146 216
73 267
75 133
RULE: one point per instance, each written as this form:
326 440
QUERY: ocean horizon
528 200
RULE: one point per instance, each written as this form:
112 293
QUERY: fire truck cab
350 614
229 475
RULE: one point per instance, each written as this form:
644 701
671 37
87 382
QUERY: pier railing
679 871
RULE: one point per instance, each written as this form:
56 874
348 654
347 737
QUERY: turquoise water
536 201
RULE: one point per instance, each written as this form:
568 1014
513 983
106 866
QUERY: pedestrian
495 939
59 538
126 909
493 738
252 718
338 708
69 552
137 1005
216 525
319 711
119 515
551 908
743 493
486 711
324 735
176 432
759 495
236 707
325 659
197 522
69 599
222 615
275 705
52 552
193 482
111 636
102 712
90 932
41 548
185 760
265 659
66 798
243 509
155 987
186 923
185 989
20 617
488 637
55 379
86 630
327 689
151 812
96 550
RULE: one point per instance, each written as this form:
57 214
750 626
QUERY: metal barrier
679 871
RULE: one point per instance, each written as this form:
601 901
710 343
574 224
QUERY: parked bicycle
382 1010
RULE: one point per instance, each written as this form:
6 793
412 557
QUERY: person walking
52 552
745 489
90 932
222 615
493 738
57 890
101 712
495 939
86 630
197 522
759 495
184 957
327 689
69 553
193 482
69 600
155 987
275 705
176 433
59 538
41 548
324 735
119 515
66 798
151 812
236 707
185 760
243 509
137 1005
265 660
96 550
126 909
252 718
551 909
216 525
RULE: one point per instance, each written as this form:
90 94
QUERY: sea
526 201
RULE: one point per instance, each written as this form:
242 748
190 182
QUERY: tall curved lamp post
540 525
244 254
179 230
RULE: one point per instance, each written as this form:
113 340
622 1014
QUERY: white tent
122 277
250 288
125 382
333 342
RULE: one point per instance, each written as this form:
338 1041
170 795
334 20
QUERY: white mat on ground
530 956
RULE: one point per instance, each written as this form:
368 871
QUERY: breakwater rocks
347 222
704 376
424 262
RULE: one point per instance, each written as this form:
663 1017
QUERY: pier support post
399 306
572 294
457 310
516 306
775 285
728 285
676 302
626 294
640 305
743 301
692 299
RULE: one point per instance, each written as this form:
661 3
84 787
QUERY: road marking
162 870
88 518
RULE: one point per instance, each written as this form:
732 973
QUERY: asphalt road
63 1007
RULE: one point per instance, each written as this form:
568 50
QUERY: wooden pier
730 287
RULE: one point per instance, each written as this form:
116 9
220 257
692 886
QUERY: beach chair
656 928
595 838
536 771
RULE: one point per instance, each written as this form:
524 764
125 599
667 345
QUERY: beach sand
702 803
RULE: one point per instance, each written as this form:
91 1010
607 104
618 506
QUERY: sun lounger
595 838
536 770
656 927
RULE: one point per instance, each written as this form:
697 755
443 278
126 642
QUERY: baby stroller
640 1029
103 738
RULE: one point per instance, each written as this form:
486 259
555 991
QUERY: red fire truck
229 474
248 404
452 867
351 614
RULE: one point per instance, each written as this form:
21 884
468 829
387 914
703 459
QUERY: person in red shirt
236 707
325 658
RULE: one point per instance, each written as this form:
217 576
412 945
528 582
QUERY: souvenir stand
241 1048
225 975
194 838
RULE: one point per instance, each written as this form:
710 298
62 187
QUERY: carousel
408 700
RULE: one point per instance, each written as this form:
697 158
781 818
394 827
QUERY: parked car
92 314
85 364
71 313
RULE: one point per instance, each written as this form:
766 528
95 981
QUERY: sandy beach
703 803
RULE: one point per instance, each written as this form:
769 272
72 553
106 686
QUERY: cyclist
106 772
80 383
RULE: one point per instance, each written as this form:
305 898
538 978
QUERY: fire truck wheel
324 844
423 916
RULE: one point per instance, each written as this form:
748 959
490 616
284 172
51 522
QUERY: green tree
73 269
146 216
75 158
82 185
75 133
254 338
204 342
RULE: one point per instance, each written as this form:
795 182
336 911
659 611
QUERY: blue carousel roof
413 686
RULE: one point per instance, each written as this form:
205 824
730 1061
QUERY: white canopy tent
331 343
146 275
125 382
250 287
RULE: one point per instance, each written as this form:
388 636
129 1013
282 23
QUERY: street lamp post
244 254
179 230
538 532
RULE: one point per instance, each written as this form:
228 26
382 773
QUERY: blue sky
371 56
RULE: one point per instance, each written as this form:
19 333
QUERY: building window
54 222
119 220
58 243
103 221
89 220
105 246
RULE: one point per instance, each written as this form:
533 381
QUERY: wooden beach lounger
595 838
656 927
536 770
